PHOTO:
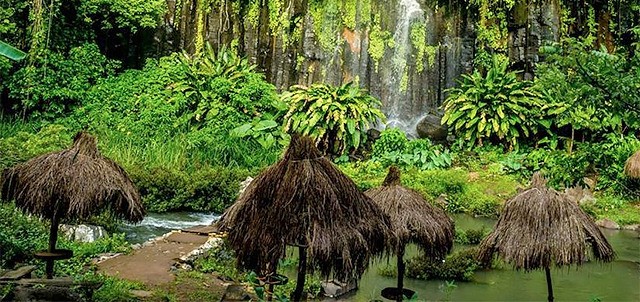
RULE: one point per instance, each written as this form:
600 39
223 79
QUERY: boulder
83 232
244 184
607 224
335 288
430 127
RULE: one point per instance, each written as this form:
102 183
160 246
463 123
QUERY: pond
616 281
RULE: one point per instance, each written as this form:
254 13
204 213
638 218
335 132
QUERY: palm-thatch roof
73 183
540 228
632 166
304 199
413 219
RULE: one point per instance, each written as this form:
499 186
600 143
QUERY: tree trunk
53 237
549 286
302 271
400 273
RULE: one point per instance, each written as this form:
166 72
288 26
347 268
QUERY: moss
325 15
365 13
379 40
404 81
430 52
349 11
418 37
253 14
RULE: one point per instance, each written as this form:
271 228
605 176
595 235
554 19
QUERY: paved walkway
151 264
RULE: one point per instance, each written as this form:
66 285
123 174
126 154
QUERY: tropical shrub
390 140
336 117
496 107
459 266
221 86
393 148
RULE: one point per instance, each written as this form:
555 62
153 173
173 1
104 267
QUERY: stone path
151 264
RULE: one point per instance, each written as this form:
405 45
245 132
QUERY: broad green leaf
11 52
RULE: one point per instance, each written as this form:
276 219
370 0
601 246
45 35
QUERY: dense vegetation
189 127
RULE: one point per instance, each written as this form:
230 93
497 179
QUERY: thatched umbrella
74 183
413 220
539 228
304 200
632 166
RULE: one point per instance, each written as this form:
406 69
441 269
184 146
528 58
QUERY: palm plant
337 118
495 106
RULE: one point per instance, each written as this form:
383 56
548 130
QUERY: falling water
397 109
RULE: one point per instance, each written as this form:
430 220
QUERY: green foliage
210 189
56 83
493 107
336 117
220 260
390 140
590 90
22 144
470 236
393 148
216 81
460 266
122 14
20 236
113 289
606 158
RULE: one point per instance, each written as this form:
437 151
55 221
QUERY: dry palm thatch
304 200
632 166
540 228
413 220
75 183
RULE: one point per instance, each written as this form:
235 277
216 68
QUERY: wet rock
430 127
244 184
141 294
608 224
83 232
235 292
336 288
632 227
579 195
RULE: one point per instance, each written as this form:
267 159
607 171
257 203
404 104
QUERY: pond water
616 281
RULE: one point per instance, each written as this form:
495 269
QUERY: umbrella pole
549 286
53 237
400 296
302 271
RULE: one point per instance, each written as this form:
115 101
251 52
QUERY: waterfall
397 109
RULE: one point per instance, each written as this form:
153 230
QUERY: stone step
19 273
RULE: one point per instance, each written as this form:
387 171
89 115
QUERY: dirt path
151 264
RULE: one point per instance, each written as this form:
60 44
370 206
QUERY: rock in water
430 127
608 224
83 232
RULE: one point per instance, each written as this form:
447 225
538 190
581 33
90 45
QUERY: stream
616 281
